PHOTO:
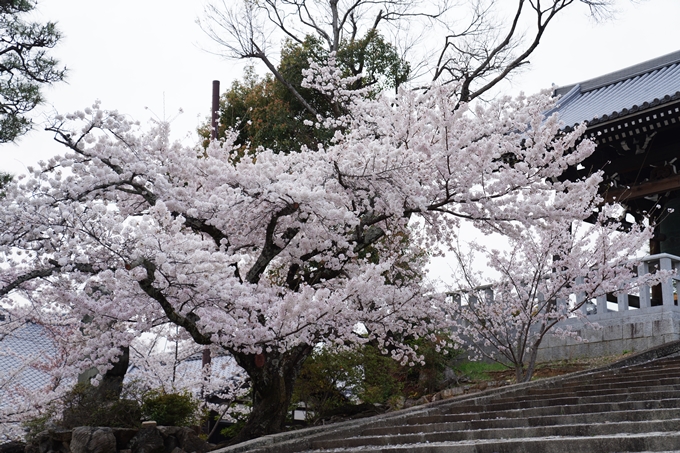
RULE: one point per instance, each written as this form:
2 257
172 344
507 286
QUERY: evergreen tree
266 113
24 65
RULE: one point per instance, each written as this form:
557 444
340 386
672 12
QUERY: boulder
89 439
13 447
123 437
147 440
183 438
93 439
448 393
52 440
170 430
191 443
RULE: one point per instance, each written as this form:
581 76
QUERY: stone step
599 379
670 366
579 430
563 401
641 370
559 392
546 411
590 393
649 442
515 422
623 410
623 386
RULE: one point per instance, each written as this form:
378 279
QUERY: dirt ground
558 368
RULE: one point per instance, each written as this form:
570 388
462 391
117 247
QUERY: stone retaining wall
614 333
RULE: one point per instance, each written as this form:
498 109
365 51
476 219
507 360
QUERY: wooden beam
644 189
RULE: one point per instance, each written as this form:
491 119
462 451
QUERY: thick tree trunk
272 376
111 385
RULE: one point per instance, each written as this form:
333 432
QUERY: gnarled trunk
111 385
273 376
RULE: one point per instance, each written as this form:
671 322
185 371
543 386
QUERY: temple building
633 115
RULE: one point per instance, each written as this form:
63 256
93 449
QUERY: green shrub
170 409
431 377
84 405
331 379
39 423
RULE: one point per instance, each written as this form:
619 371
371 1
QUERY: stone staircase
620 408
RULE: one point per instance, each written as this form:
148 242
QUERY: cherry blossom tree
547 274
266 258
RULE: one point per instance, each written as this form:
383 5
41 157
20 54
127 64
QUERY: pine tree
24 66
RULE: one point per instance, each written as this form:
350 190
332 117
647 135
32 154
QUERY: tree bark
524 374
273 376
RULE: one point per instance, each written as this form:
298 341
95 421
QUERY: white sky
132 54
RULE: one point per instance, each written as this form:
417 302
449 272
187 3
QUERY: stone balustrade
631 320
643 296
627 321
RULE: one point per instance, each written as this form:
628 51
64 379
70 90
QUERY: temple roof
621 93
23 354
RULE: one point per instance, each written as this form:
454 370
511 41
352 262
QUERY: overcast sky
132 54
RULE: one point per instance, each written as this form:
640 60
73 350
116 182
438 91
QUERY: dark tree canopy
25 65
266 113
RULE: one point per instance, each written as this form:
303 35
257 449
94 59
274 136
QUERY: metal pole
206 370
215 109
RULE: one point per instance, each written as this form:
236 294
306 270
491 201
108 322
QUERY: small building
27 352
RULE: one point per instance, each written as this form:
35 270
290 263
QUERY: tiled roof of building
224 367
630 90
23 352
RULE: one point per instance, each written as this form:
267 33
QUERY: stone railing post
581 297
602 304
667 284
645 300
622 301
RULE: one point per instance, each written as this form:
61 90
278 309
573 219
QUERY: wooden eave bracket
644 189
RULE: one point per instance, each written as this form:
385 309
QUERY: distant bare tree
477 43
484 53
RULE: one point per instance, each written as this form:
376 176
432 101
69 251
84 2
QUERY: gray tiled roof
22 353
224 368
620 93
